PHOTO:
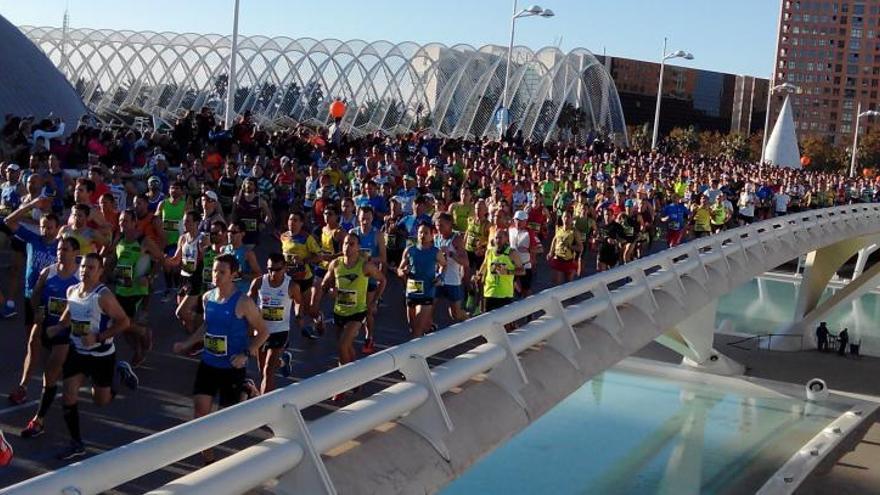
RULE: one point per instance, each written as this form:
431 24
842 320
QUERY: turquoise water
762 306
631 433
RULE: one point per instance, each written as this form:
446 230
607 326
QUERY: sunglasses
276 268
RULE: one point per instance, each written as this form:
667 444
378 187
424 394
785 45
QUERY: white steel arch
455 90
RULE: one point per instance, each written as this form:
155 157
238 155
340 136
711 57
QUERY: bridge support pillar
693 338
819 268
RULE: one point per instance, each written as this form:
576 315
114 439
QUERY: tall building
830 49
706 100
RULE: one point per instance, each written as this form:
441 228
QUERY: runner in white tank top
274 295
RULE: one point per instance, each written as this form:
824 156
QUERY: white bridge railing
292 457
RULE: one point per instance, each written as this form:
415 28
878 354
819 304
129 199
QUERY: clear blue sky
729 36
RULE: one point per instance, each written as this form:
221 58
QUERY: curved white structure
455 412
782 147
454 91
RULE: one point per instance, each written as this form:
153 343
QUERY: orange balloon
868 172
337 109
806 161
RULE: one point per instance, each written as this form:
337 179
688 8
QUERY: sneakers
73 451
6 452
33 429
286 364
369 346
18 396
309 333
8 310
319 324
127 375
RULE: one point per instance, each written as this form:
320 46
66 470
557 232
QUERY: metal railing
417 403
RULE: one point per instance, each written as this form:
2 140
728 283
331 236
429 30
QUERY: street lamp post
855 148
231 80
770 92
534 10
665 56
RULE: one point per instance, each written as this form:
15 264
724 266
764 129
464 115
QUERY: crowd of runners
250 236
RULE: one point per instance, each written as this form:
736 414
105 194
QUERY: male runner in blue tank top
229 341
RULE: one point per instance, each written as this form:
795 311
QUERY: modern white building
453 91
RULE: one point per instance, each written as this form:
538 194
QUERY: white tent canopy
782 147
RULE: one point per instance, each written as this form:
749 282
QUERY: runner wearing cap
523 244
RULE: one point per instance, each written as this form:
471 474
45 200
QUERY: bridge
418 434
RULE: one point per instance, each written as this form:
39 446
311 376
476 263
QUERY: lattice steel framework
455 91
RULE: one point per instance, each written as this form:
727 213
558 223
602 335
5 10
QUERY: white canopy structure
452 91
782 147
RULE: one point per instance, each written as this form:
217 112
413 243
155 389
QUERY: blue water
761 310
629 433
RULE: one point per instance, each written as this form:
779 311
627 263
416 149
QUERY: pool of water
762 306
626 432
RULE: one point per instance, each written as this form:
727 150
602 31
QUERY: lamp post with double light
666 56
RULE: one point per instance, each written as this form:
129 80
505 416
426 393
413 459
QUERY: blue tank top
367 241
347 223
225 334
422 270
54 295
243 267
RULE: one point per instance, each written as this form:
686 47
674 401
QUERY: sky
727 36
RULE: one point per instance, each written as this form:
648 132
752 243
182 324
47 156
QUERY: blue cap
629 203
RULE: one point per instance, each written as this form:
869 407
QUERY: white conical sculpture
782 147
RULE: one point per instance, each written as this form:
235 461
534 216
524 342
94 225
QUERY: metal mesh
453 91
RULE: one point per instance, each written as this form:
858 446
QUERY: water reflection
632 433
762 306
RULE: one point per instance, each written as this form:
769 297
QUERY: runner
566 250
50 294
451 245
274 295
524 245
422 268
300 250
330 235
138 260
93 317
476 240
372 244
41 252
346 281
171 211
496 274
252 210
189 257
233 332
249 269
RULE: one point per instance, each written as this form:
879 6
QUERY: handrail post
310 475
564 341
609 320
509 373
430 420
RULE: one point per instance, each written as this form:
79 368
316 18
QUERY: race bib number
215 344
124 275
674 225
499 268
171 225
346 298
415 287
56 306
80 328
273 313
250 224
189 266
368 252
390 240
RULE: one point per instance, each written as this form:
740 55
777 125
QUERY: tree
289 99
683 141
640 137
822 153
220 85
735 147
869 150
571 118
756 144
710 143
